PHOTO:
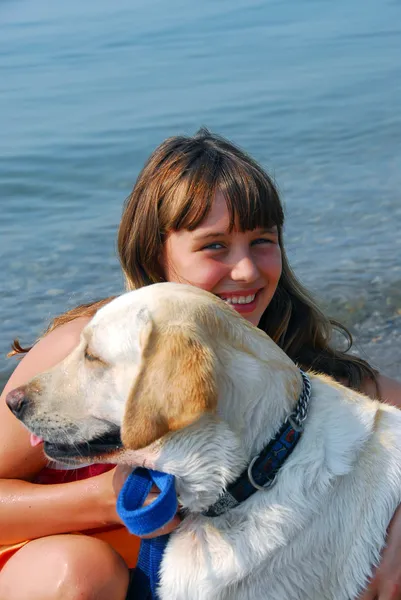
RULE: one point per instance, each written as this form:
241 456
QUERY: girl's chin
254 320
251 317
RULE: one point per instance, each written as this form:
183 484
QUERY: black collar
263 469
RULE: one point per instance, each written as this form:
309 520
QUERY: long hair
174 191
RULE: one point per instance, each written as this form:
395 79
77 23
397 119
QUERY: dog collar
263 469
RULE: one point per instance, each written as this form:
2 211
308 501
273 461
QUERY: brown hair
175 190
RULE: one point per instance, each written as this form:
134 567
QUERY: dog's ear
176 384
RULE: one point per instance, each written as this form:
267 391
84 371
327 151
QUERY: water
312 89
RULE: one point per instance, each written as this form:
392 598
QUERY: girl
201 212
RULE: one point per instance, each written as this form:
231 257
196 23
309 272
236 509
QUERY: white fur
318 532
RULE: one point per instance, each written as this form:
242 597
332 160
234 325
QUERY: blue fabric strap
143 520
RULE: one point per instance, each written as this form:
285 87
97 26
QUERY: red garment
57 473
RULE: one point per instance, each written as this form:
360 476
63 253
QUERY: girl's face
242 268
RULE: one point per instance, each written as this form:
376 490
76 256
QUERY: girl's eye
214 246
259 241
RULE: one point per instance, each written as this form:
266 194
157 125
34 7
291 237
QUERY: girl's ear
176 385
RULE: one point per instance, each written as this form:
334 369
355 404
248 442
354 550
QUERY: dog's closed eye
92 357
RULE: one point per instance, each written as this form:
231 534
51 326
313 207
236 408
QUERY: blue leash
143 520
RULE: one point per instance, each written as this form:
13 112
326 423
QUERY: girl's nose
245 269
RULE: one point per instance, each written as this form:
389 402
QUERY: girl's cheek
272 264
207 275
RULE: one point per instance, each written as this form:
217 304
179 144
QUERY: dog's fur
197 392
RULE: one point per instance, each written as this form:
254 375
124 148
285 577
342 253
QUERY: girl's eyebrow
211 234
272 229
215 234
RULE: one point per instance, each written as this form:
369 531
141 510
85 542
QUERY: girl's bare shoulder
390 390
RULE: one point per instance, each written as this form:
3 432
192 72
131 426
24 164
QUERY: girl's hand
117 478
386 581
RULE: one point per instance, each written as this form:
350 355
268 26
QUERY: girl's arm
18 460
28 510
386 583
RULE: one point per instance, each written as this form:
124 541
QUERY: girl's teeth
240 299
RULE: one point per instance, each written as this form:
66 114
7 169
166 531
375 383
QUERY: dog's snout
17 402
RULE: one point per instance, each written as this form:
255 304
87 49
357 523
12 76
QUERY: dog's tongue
36 440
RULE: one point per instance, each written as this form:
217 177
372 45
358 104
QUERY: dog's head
168 376
144 367
151 371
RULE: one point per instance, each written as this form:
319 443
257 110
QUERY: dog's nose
17 402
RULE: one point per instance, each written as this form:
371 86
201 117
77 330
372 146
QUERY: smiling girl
201 212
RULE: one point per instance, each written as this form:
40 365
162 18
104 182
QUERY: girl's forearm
29 510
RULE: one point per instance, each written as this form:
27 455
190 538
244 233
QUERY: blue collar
263 470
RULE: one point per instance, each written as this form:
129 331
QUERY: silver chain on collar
297 418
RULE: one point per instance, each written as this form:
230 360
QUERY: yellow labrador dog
171 378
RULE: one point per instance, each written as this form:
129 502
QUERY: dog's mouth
98 446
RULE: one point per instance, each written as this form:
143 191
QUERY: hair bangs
252 199
190 198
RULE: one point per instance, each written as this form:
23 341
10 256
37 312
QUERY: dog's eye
90 357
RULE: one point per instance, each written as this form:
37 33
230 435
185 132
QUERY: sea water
310 88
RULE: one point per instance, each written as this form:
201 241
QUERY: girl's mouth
244 302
